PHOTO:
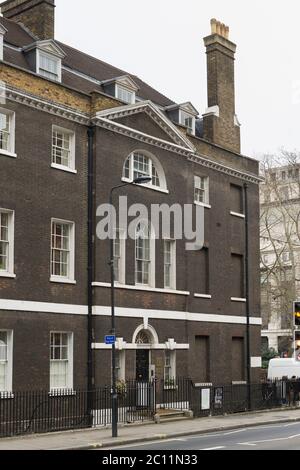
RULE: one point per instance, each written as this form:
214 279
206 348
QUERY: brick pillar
36 15
220 122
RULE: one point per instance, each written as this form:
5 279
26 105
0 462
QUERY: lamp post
141 180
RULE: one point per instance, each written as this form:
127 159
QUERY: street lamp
141 180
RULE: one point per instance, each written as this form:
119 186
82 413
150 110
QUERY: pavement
100 438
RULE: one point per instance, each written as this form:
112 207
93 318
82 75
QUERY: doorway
142 365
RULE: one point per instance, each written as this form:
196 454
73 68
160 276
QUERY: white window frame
153 162
183 116
198 178
70 374
9 377
10 151
172 264
11 230
40 53
71 278
151 282
72 167
172 367
119 89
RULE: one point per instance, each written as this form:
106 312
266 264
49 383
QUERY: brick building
72 128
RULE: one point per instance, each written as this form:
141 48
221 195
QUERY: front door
142 365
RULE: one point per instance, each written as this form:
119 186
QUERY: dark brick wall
37 193
31 347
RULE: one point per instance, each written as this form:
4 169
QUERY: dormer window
49 66
188 121
123 94
184 114
122 88
46 57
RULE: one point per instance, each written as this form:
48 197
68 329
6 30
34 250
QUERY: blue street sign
110 339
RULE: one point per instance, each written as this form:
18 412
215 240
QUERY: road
273 437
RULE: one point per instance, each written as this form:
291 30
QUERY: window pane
4 131
60 257
61 148
48 67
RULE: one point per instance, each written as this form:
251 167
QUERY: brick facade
38 192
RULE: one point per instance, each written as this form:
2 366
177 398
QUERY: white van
279 368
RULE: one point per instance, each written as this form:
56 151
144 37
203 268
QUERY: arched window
140 164
144 254
143 338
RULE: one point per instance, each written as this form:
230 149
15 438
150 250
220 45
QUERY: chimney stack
36 15
221 125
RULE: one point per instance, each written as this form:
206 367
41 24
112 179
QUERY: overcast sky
161 42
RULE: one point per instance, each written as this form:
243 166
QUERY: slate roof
18 36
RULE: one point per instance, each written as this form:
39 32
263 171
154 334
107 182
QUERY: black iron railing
40 411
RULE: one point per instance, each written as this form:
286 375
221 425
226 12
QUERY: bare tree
280 239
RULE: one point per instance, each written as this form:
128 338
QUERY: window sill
63 168
62 393
237 299
237 214
8 275
146 186
7 396
5 153
202 296
61 280
202 204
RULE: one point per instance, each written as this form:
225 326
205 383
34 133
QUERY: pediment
49 46
148 119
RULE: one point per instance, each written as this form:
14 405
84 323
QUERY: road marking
246 444
215 448
270 440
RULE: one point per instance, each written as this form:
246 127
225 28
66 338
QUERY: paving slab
100 438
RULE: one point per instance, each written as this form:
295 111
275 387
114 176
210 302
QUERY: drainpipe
247 292
90 269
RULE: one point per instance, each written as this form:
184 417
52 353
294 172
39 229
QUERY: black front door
142 365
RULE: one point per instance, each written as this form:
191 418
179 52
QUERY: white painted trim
61 280
63 168
9 379
147 186
68 309
12 130
134 347
42 307
8 275
70 371
174 315
237 214
51 56
149 329
173 263
202 204
212 111
72 135
237 299
141 288
144 106
5 153
11 243
71 278
202 296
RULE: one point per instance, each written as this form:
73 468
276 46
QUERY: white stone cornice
156 115
140 136
151 140
47 106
